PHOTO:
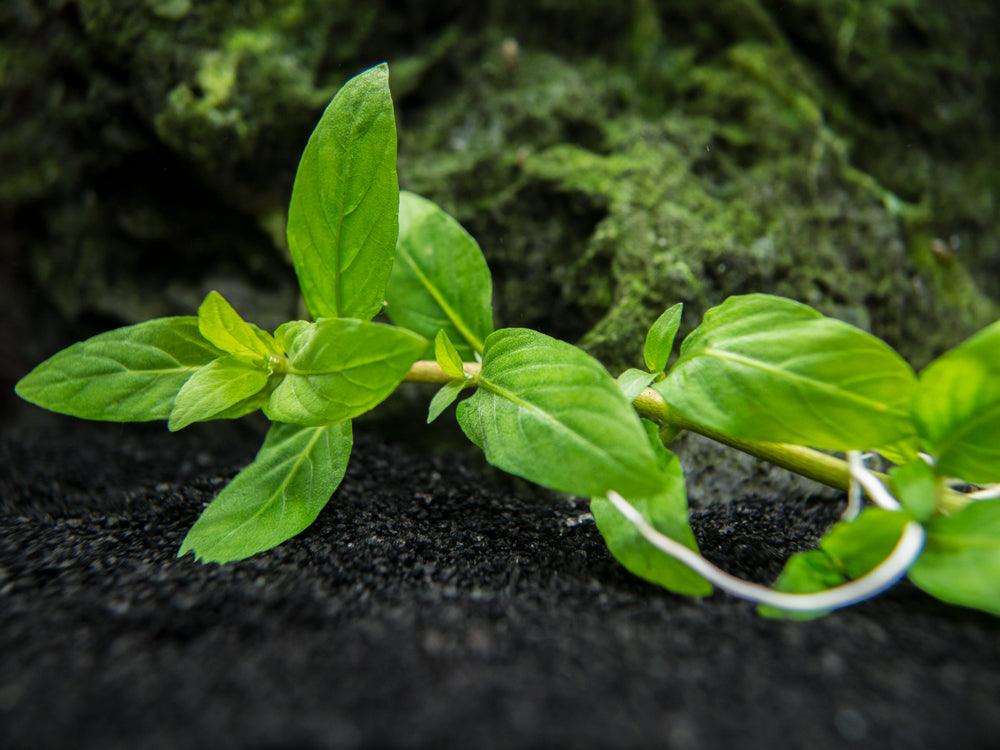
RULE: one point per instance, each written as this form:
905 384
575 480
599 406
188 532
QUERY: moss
738 182
618 157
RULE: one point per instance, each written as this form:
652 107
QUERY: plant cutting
762 374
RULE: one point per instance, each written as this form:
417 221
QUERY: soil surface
431 605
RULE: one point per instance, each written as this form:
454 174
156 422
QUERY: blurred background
611 157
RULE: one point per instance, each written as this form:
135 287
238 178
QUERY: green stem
807 462
823 468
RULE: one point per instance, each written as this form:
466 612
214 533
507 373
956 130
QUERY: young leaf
633 382
916 487
957 409
660 338
767 368
848 551
215 388
286 333
961 562
343 217
667 511
339 368
447 356
275 497
221 324
440 280
444 398
130 374
548 412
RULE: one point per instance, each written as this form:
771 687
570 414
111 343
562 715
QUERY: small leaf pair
233 384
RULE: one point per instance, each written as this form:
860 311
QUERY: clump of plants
763 374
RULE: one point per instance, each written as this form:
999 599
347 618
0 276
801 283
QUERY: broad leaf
767 368
440 280
961 561
221 324
340 368
548 412
275 497
667 512
660 338
214 389
130 374
444 398
849 550
957 409
343 217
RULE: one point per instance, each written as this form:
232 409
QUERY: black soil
431 606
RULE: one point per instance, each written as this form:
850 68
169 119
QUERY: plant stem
821 467
829 470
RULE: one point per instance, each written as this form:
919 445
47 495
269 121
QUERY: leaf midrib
545 416
722 354
474 341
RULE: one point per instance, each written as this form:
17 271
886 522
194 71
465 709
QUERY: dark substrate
431 606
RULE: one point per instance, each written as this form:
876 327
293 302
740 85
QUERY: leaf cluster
763 373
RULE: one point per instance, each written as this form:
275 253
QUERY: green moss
620 157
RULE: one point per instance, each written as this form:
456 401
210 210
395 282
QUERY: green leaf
957 409
286 333
632 382
660 338
771 369
916 487
805 573
961 560
339 368
215 388
447 356
130 374
444 398
343 217
860 545
548 412
221 324
667 512
274 498
850 550
440 280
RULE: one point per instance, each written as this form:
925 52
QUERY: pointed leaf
340 368
130 374
915 485
274 498
660 339
771 369
961 561
444 398
548 412
667 512
849 550
957 409
805 573
221 324
447 356
343 217
632 382
215 388
440 280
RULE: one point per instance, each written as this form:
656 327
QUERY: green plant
762 374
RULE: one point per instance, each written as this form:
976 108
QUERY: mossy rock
611 158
